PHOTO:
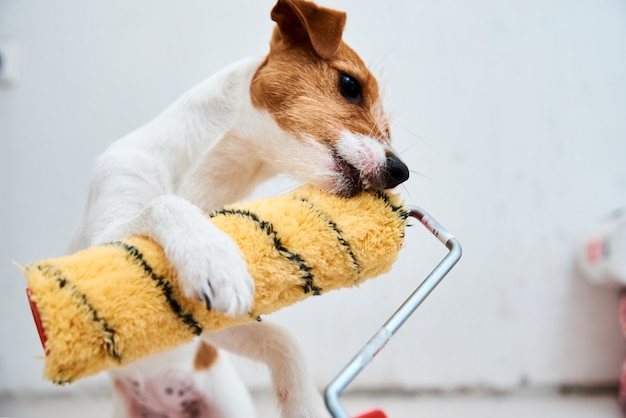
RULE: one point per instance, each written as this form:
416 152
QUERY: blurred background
511 114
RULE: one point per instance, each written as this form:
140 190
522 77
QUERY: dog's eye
350 88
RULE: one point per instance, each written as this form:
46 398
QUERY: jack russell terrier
310 109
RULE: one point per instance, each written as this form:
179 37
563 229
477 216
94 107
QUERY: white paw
213 271
207 261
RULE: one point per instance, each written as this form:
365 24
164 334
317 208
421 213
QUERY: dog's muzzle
353 181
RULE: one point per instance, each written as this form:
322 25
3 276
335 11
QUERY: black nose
397 172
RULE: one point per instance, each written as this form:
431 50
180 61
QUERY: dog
310 109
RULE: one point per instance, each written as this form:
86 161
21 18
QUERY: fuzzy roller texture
109 305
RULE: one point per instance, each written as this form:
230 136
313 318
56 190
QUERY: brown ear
300 21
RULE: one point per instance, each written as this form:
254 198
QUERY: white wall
511 114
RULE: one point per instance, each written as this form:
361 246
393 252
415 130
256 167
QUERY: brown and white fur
310 109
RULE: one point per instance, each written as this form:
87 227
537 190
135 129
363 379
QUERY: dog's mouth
351 182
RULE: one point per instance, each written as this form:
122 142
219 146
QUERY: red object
376 413
37 318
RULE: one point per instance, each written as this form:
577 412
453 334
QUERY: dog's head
318 90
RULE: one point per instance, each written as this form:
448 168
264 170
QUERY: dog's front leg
207 261
272 345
